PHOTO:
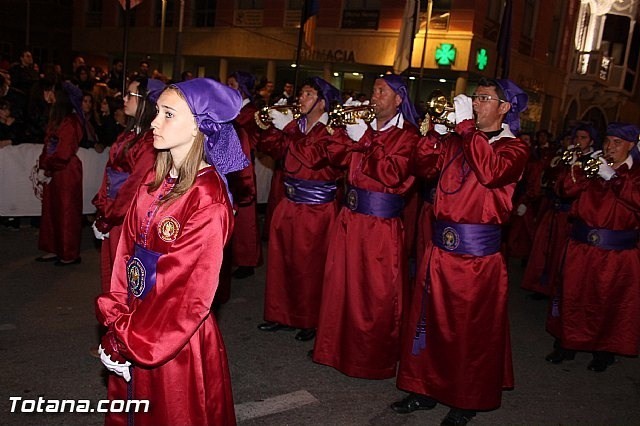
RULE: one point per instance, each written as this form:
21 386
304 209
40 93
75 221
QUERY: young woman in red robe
163 343
61 223
130 158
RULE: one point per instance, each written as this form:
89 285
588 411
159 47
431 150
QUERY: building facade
355 41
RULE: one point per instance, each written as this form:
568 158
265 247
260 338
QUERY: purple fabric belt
309 191
467 238
373 203
429 193
115 179
141 271
605 238
52 144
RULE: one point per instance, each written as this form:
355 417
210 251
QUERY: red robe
61 223
599 306
467 359
246 246
170 337
366 270
542 272
298 237
110 212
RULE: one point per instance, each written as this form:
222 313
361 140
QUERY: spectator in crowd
115 79
11 129
23 74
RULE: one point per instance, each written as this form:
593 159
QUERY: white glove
464 108
522 209
42 177
279 119
351 102
574 158
605 171
441 129
99 235
281 101
596 154
355 131
121 370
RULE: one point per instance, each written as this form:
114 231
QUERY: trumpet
340 115
568 154
591 166
263 119
438 110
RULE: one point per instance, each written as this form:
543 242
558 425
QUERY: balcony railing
599 67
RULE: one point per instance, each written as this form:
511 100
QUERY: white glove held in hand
280 119
441 129
464 108
120 369
605 171
99 235
355 131
42 177
522 209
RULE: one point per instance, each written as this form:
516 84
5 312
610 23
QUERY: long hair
145 113
61 108
187 171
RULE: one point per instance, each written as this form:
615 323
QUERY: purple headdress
627 132
214 105
328 92
75 97
518 100
246 82
154 89
399 86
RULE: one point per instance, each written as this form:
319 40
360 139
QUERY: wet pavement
47 326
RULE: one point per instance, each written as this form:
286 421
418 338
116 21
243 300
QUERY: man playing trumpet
599 305
456 349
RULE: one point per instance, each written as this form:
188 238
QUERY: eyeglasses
129 94
486 98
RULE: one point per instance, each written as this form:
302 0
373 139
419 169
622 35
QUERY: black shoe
538 296
310 353
559 354
73 262
273 326
46 258
413 402
600 361
457 417
306 334
243 272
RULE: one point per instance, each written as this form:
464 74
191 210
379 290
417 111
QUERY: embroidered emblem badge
593 237
136 275
352 199
168 229
290 190
450 238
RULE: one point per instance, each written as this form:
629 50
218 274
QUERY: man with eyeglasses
456 349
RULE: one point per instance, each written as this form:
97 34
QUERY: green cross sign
482 59
445 54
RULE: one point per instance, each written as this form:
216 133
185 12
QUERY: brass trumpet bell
340 115
591 166
264 116
568 154
438 110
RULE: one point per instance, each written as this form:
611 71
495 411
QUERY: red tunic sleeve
496 166
426 162
388 162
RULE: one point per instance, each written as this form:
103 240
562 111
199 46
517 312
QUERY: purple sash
373 203
606 239
309 191
115 179
52 144
141 271
467 238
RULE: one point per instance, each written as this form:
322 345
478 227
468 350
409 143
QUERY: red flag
310 13
132 3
